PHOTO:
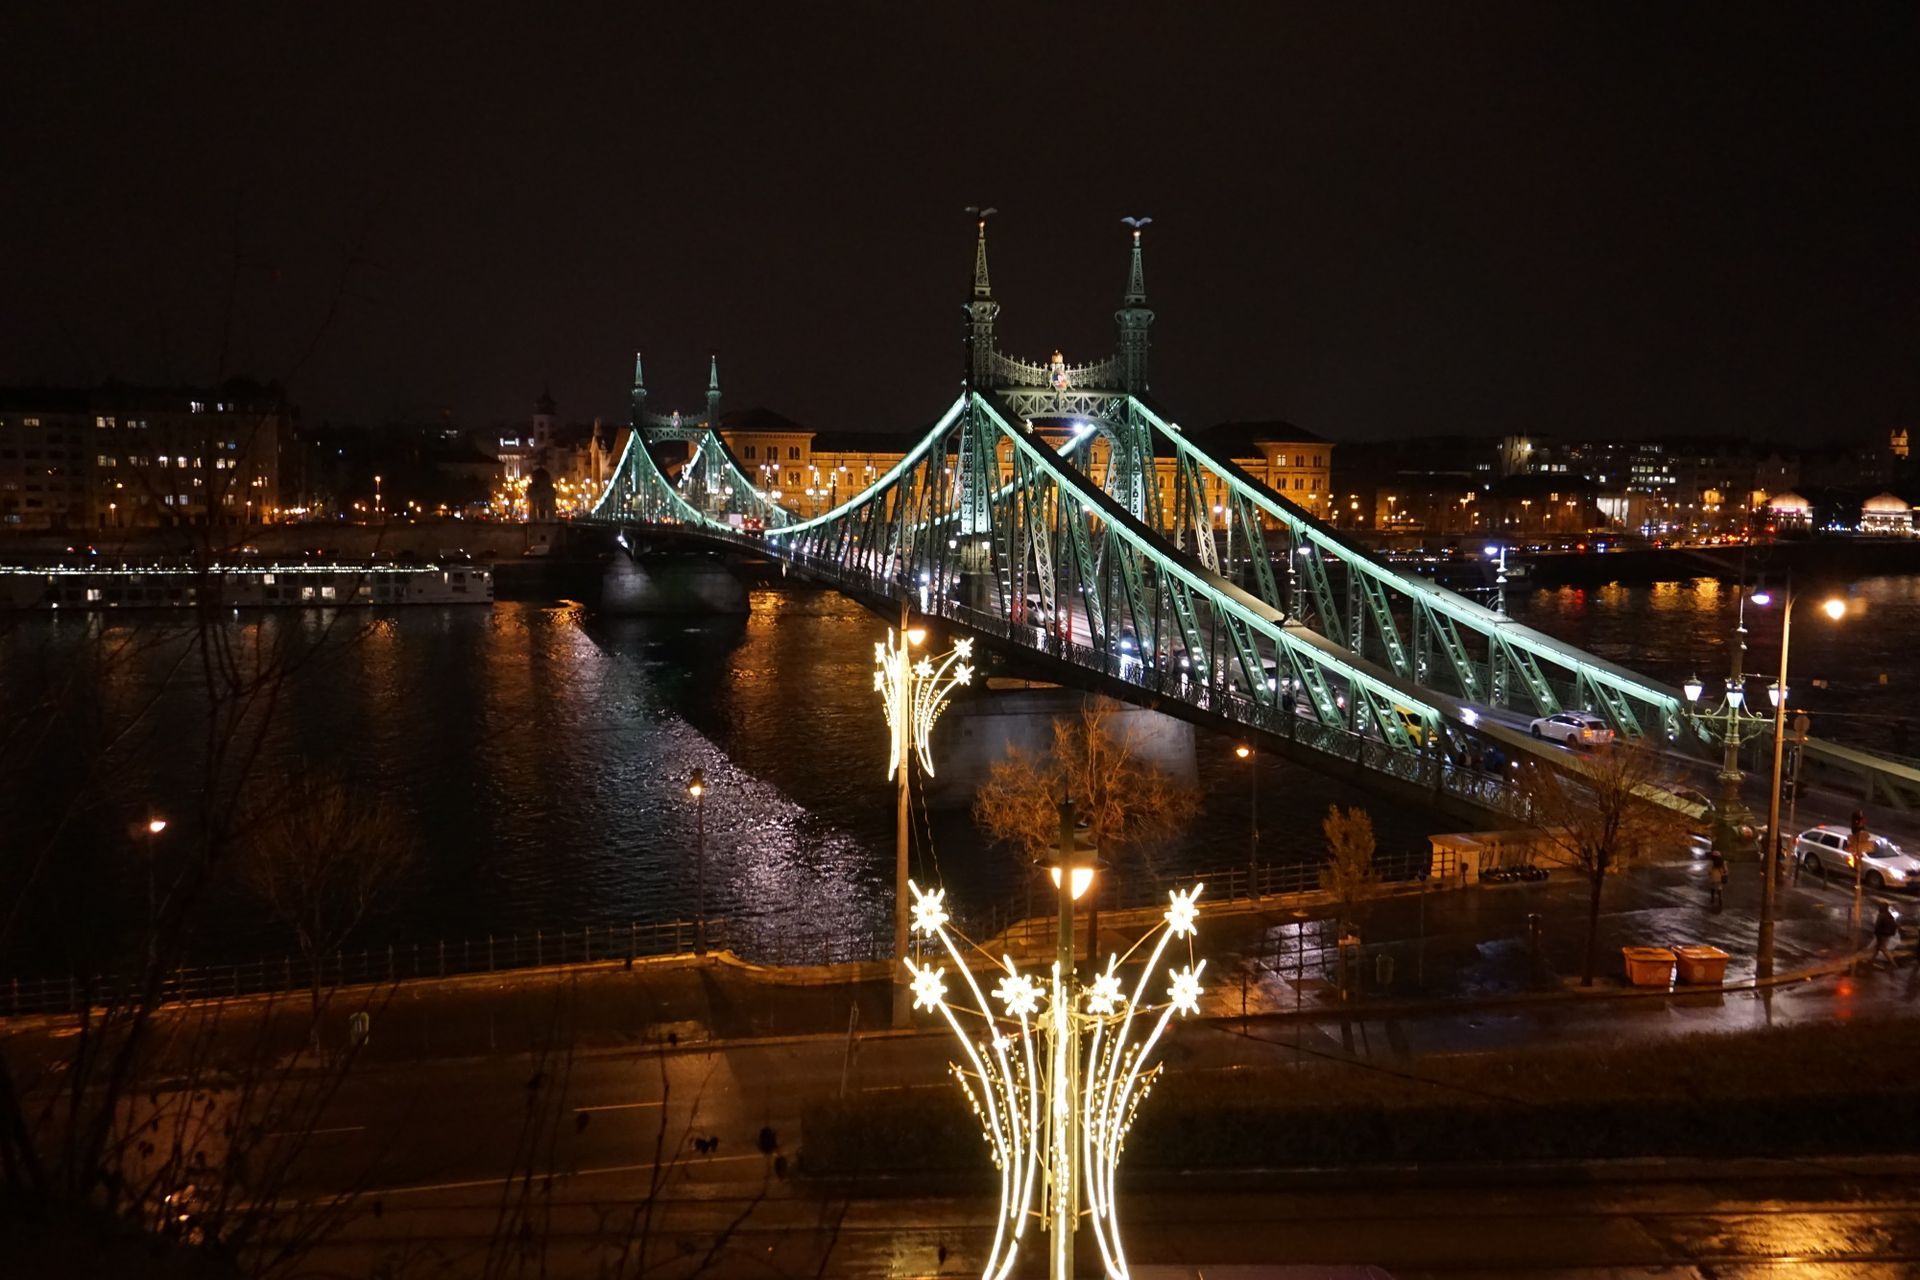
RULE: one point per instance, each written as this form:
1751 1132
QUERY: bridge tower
713 391
638 401
980 314
1133 319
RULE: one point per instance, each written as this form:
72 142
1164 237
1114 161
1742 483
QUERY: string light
1074 1070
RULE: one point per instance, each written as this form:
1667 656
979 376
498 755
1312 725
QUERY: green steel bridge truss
1260 617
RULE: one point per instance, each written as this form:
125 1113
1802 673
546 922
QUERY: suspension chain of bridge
1265 622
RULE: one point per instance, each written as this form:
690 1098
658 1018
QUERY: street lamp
1730 776
914 694
1252 757
1835 608
697 788
1053 1073
154 826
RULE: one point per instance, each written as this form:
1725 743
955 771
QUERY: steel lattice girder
1526 646
890 532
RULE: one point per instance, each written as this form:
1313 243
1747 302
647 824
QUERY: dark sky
1373 219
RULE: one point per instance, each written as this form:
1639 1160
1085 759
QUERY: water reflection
538 756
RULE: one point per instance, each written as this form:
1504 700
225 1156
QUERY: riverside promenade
1453 957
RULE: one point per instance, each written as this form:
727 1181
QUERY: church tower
544 410
1133 319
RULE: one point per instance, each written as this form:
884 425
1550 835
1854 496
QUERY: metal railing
765 942
1029 921
1434 770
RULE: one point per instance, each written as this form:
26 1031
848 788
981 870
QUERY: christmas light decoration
1056 1087
915 693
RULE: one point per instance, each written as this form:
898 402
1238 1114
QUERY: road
438 1146
1853 1220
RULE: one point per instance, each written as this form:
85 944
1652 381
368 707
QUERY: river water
536 758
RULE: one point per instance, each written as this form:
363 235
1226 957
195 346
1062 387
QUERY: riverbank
1813 561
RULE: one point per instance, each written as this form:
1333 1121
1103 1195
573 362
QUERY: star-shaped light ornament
1019 993
1104 995
929 988
1181 911
963 674
964 648
1184 992
924 668
929 910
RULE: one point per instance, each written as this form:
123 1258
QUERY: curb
1573 995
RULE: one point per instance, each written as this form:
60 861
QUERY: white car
1573 728
1823 851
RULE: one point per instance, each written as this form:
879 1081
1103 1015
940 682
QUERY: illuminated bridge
1260 620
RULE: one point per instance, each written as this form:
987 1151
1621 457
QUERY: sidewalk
1457 945
1448 950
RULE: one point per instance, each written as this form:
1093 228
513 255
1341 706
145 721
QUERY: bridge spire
713 390
982 310
639 394
1133 318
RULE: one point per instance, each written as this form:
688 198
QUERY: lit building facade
133 457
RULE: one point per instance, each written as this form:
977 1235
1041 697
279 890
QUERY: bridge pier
640 585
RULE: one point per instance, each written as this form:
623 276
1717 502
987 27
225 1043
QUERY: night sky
1371 219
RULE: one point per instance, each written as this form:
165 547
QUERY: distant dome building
1791 511
1886 514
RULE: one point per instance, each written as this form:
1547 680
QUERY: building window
750 451
793 453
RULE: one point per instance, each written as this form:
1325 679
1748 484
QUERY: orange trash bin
1706 966
1648 966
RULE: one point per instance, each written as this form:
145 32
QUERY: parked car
1823 851
1573 729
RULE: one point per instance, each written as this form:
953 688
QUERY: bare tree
1124 798
1599 811
318 858
1349 874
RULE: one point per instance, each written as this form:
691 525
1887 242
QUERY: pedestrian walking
1717 881
1886 927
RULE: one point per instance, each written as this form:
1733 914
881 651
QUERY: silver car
1823 851
1573 728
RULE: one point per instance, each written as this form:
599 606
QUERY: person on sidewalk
1716 881
1885 929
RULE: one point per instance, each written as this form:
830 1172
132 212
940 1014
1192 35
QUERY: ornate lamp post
1733 811
914 694
1056 1089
